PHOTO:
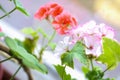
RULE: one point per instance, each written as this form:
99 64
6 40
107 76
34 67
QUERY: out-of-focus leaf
62 73
30 44
52 45
67 58
30 31
43 33
20 7
111 53
78 52
27 59
2 34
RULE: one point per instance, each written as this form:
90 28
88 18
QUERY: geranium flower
93 45
106 31
55 9
51 9
62 46
63 23
42 13
92 34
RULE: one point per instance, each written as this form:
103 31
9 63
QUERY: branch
6 50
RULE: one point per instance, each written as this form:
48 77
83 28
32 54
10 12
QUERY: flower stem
8 13
91 62
43 48
63 72
5 59
12 78
107 68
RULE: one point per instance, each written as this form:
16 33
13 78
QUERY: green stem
49 41
63 72
107 68
5 59
12 78
8 13
91 62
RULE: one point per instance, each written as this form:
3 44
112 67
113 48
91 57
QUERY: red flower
55 9
42 13
63 23
45 11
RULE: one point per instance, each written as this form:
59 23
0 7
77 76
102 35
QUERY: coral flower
63 23
55 9
51 9
42 13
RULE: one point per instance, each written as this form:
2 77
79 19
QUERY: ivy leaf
67 58
78 52
111 53
27 59
20 7
61 71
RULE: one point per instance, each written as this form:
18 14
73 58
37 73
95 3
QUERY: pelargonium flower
42 13
50 9
92 34
62 46
64 22
55 9
105 31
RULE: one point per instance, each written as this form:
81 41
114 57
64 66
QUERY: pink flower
51 9
63 23
93 45
105 31
92 34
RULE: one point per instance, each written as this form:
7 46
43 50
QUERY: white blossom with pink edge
92 34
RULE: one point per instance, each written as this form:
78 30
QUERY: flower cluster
92 34
62 21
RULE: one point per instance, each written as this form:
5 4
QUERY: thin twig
7 51
91 64
8 13
5 59
12 78
49 41
107 68
28 72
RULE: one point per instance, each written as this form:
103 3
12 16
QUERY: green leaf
52 45
111 53
61 71
2 9
2 34
11 43
78 52
85 69
95 74
43 33
30 44
20 7
27 59
67 58
28 31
